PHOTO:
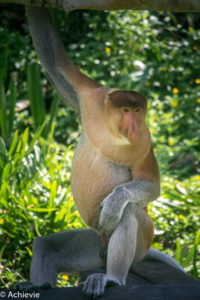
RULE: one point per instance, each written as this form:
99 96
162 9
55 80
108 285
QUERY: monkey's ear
64 75
127 98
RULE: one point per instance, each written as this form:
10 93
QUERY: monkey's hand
111 211
94 285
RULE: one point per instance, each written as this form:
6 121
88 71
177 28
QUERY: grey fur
49 46
137 191
78 250
160 256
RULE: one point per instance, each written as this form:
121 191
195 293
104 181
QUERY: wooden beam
159 5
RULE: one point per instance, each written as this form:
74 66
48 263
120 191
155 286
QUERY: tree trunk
69 5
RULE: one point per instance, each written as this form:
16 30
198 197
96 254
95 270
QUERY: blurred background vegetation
157 54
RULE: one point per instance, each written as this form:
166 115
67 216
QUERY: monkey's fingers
95 284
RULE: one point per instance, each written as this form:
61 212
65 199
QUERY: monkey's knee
40 253
46 245
37 243
40 247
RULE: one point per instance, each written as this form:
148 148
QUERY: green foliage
7 108
35 95
37 99
35 198
37 103
177 220
154 53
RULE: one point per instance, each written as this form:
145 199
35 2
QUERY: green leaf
14 143
192 253
36 137
40 209
29 251
6 172
12 101
35 95
53 194
197 239
24 139
3 151
3 117
178 252
53 113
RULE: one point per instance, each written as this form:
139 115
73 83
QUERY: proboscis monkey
114 174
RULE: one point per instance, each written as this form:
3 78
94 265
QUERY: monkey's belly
93 178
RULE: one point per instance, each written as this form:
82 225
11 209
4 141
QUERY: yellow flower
194 47
65 277
164 68
197 81
198 177
175 104
171 142
190 28
107 50
1 221
198 100
147 83
175 91
181 217
177 180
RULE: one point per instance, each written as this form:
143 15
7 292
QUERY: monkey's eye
125 109
137 110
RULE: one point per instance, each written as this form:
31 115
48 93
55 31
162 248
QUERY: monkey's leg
129 243
68 251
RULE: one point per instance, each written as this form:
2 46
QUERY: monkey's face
132 122
125 115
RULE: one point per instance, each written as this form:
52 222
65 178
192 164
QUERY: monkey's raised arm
65 76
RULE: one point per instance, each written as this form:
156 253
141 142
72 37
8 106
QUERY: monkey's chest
93 178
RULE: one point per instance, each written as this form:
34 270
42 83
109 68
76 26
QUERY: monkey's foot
94 285
28 286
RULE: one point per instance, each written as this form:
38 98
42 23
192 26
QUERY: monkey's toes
26 286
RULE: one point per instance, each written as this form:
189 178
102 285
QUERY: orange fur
93 178
145 233
101 161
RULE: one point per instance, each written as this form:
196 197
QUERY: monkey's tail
160 256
